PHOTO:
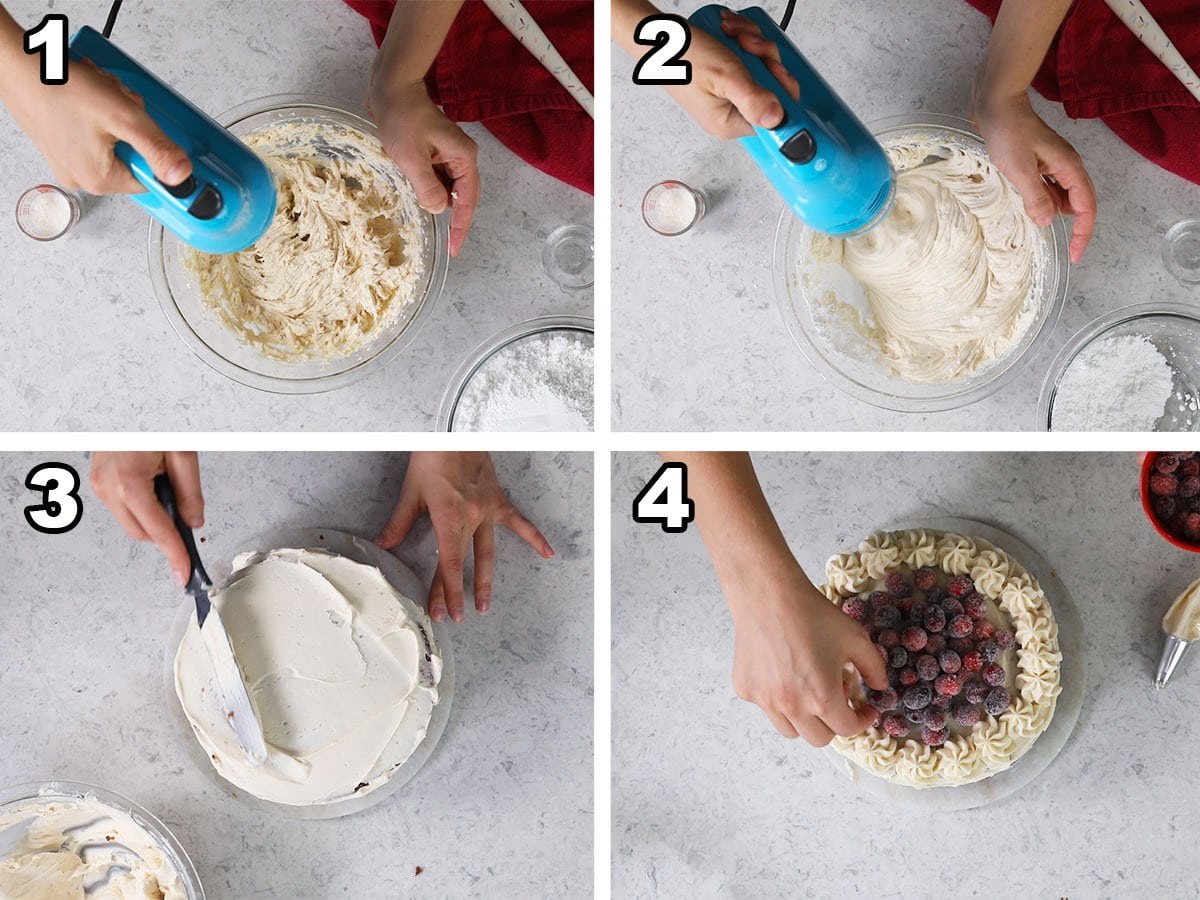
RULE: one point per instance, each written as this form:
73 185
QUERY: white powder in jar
543 382
1120 383
44 213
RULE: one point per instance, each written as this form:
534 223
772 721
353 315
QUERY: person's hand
77 124
723 98
465 504
434 154
124 482
791 646
1045 169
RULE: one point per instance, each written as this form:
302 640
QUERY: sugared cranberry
989 650
897 585
1166 463
1189 467
1005 640
914 638
993 674
975 691
898 658
996 701
927 667
887 616
1165 508
894 724
948 685
975 606
936 594
856 609
1164 485
961 626
935 619
961 645
925 578
984 630
960 586
888 638
936 644
950 661
904 604
939 702
934 737
966 715
1190 486
935 718
908 676
972 661
952 607
883 700
879 598
918 696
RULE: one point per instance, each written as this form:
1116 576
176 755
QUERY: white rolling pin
1150 33
516 18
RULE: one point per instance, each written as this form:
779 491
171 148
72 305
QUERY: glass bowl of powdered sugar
1134 369
536 376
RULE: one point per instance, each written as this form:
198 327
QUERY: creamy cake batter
950 274
73 845
343 255
343 680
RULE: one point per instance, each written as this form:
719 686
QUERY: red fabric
1098 69
483 74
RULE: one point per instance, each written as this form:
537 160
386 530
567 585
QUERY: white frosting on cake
996 742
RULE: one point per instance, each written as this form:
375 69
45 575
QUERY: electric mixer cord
112 18
783 23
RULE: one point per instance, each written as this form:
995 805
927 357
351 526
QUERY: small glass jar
47 212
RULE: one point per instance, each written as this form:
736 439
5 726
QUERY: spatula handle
165 491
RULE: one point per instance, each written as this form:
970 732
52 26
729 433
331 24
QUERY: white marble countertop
86 301
709 801
698 338
502 809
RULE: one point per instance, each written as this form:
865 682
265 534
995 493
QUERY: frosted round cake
342 676
971 649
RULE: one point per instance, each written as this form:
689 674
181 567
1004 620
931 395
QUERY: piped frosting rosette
996 742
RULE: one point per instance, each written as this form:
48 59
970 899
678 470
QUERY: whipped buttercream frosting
1183 617
342 257
343 678
79 843
952 274
996 742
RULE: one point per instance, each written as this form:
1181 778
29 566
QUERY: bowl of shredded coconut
535 376
343 279
944 301
1134 369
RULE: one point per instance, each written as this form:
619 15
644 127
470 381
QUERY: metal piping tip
1173 649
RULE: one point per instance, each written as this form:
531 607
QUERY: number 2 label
664 500
670 37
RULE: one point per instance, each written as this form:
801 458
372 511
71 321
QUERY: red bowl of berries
1170 488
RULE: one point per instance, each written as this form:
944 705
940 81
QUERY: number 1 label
49 39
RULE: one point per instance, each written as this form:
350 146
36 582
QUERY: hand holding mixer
821 159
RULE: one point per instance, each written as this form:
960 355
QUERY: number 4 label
664 500
670 37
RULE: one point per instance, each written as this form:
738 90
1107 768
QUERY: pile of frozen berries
941 651
1174 485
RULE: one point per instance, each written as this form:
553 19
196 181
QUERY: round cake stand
404 580
1073 677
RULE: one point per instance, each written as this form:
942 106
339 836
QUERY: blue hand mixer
821 159
228 201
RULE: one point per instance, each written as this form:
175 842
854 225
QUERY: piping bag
821 159
228 201
1181 629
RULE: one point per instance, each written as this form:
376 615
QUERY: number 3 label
664 500
670 37
61 508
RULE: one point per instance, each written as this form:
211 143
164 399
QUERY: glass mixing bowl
850 362
579 325
218 346
74 790
1174 328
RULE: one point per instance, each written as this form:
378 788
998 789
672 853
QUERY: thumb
757 105
1039 202
183 468
866 658
431 192
397 527
167 160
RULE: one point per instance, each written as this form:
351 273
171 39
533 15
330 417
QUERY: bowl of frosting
947 299
1136 368
81 839
351 681
343 279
